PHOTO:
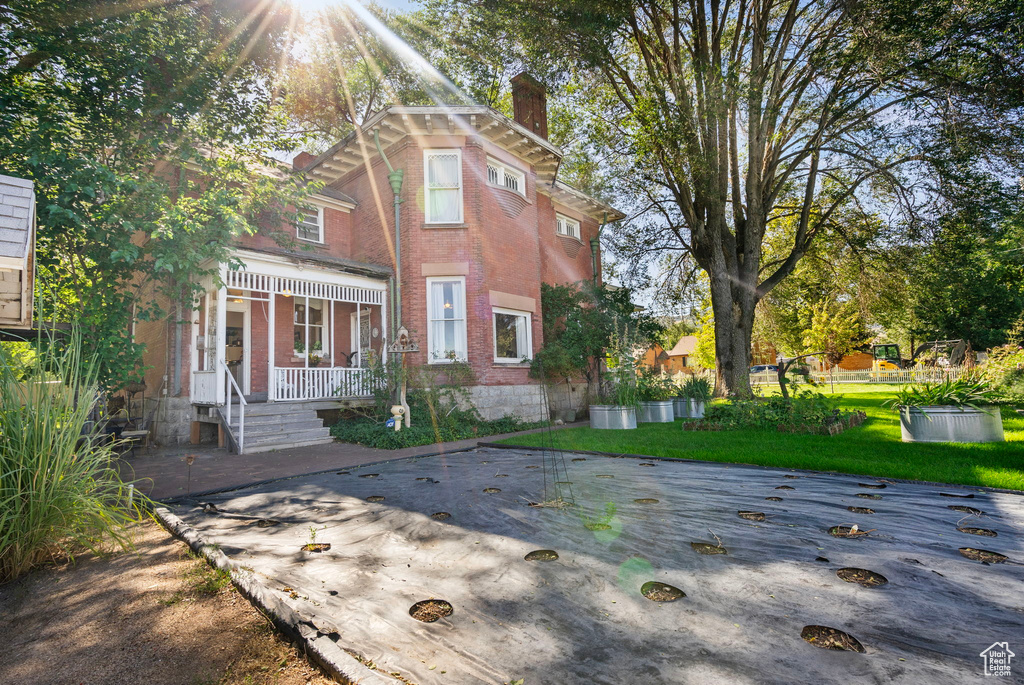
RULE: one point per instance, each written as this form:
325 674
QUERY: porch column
271 334
384 331
220 358
332 329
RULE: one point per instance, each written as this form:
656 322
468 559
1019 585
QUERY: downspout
395 177
595 245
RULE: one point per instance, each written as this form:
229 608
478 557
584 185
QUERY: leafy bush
806 408
963 392
651 386
58 491
1005 369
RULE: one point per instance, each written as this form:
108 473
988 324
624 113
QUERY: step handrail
242 404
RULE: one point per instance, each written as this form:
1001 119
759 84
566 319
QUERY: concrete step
289 437
276 428
253 419
271 447
273 408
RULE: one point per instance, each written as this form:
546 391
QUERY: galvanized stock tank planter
951 424
612 417
659 411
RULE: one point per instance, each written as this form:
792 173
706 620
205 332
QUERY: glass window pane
448 312
443 171
506 336
444 205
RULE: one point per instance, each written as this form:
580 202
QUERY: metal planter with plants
616 408
950 411
654 393
697 392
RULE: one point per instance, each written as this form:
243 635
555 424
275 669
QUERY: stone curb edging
334 660
627 455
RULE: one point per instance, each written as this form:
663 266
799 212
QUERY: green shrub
806 408
651 386
57 492
1005 369
438 406
699 389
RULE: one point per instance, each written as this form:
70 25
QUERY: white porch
284 330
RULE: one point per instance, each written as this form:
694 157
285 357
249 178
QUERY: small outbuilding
17 251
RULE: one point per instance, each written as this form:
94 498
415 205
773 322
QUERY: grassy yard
872 449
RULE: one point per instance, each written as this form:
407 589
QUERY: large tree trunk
733 305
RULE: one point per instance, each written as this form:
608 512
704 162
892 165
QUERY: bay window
513 337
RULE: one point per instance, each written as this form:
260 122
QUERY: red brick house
484 221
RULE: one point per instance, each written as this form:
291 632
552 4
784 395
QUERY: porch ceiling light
286 292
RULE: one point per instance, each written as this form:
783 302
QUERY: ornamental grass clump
963 392
59 492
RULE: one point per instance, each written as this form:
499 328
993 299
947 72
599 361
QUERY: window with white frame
513 338
311 225
309 326
504 176
566 226
446 315
443 187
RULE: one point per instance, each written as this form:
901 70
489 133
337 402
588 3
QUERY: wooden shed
17 251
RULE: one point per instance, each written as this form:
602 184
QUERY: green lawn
872 449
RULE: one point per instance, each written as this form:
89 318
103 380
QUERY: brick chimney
530 104
302 160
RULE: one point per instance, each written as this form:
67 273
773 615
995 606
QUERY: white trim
571 225
263 273
426 186
319 225
506 170
494 335
461 280
333 203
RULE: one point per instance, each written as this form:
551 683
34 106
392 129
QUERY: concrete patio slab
752 587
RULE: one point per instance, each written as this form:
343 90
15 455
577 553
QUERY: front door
237 341
360 342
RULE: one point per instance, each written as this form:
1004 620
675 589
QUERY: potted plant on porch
697 393
959 410
654 393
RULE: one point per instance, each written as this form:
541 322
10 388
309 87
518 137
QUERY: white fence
321 384
902 376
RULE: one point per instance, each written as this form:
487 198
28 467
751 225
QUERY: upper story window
311 225
443 186
499 174
566 226
446 316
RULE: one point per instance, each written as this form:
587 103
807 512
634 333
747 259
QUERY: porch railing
233 385
204 387
321 384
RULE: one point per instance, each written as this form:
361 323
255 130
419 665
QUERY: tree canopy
145 128
724 117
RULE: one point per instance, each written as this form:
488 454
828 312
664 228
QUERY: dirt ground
156 615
